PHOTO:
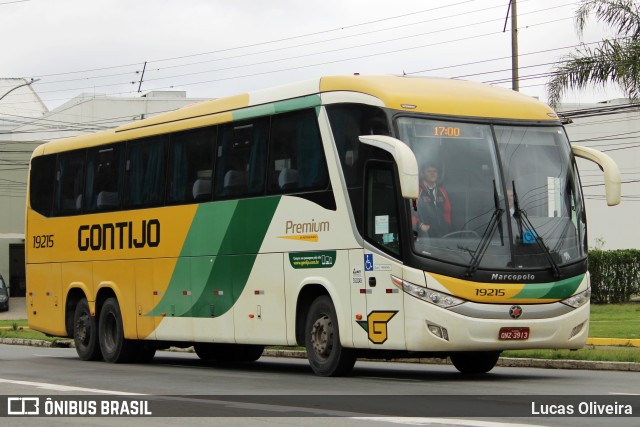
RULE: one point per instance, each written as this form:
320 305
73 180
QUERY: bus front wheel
326 355
475 362
115 348
85 332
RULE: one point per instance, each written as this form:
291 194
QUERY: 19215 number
43 241
491 292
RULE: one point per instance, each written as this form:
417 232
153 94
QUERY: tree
615 60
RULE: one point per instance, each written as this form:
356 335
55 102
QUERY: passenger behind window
433 216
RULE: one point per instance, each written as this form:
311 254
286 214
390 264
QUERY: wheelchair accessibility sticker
370 266
368 262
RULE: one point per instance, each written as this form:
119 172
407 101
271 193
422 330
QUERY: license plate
513 334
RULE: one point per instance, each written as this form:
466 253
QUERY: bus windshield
494 196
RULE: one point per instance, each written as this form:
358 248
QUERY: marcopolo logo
512 277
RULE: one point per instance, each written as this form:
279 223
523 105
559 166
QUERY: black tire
228 352
475 362
205 351
326 355
145 352
115 349
85 332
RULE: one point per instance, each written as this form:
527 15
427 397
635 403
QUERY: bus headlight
434 297
3 298
578 300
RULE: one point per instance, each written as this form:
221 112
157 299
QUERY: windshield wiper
486 236
522 218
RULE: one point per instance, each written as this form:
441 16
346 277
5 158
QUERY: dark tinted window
146 172
104 189
41 184
348 122
297 160
382 227
241 159
69 183
191 166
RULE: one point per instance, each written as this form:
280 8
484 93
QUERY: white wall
618 225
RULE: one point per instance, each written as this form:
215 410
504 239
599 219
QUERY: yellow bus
357 216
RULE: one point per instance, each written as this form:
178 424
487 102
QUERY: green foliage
618 354
615 275
615 321
612 60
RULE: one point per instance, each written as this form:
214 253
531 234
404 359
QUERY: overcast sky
214 48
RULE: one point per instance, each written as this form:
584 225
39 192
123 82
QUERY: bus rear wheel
475 362
85 332
326 355
228 352
145 352
115 348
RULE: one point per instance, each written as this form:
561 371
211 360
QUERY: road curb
511 362
616 342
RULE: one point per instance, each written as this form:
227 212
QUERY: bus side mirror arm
404 158
608 166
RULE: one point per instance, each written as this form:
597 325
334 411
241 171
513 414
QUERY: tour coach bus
298 216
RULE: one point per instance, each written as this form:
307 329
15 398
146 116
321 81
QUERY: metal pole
142 76
515 84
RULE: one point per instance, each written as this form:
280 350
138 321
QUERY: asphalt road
17 310
285 392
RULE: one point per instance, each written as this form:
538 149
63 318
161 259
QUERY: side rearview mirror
404 158
612 185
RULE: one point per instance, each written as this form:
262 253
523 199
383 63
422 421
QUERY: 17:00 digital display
447 131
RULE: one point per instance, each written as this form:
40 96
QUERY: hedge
615 275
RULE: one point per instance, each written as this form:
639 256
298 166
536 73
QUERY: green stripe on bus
555 290
209 285
277 107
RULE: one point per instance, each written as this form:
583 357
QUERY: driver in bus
433 216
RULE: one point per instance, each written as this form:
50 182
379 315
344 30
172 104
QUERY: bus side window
104 178
146 172
241 159
191 165
297 160
382 225
43 172
348 123
69 183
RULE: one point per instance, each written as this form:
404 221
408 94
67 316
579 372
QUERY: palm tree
615 60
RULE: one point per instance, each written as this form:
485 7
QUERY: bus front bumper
432 328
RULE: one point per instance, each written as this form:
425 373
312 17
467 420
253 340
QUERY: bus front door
384 322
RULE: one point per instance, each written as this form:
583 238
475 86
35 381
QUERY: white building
612 127
26 123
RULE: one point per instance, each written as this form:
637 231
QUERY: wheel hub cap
322 336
